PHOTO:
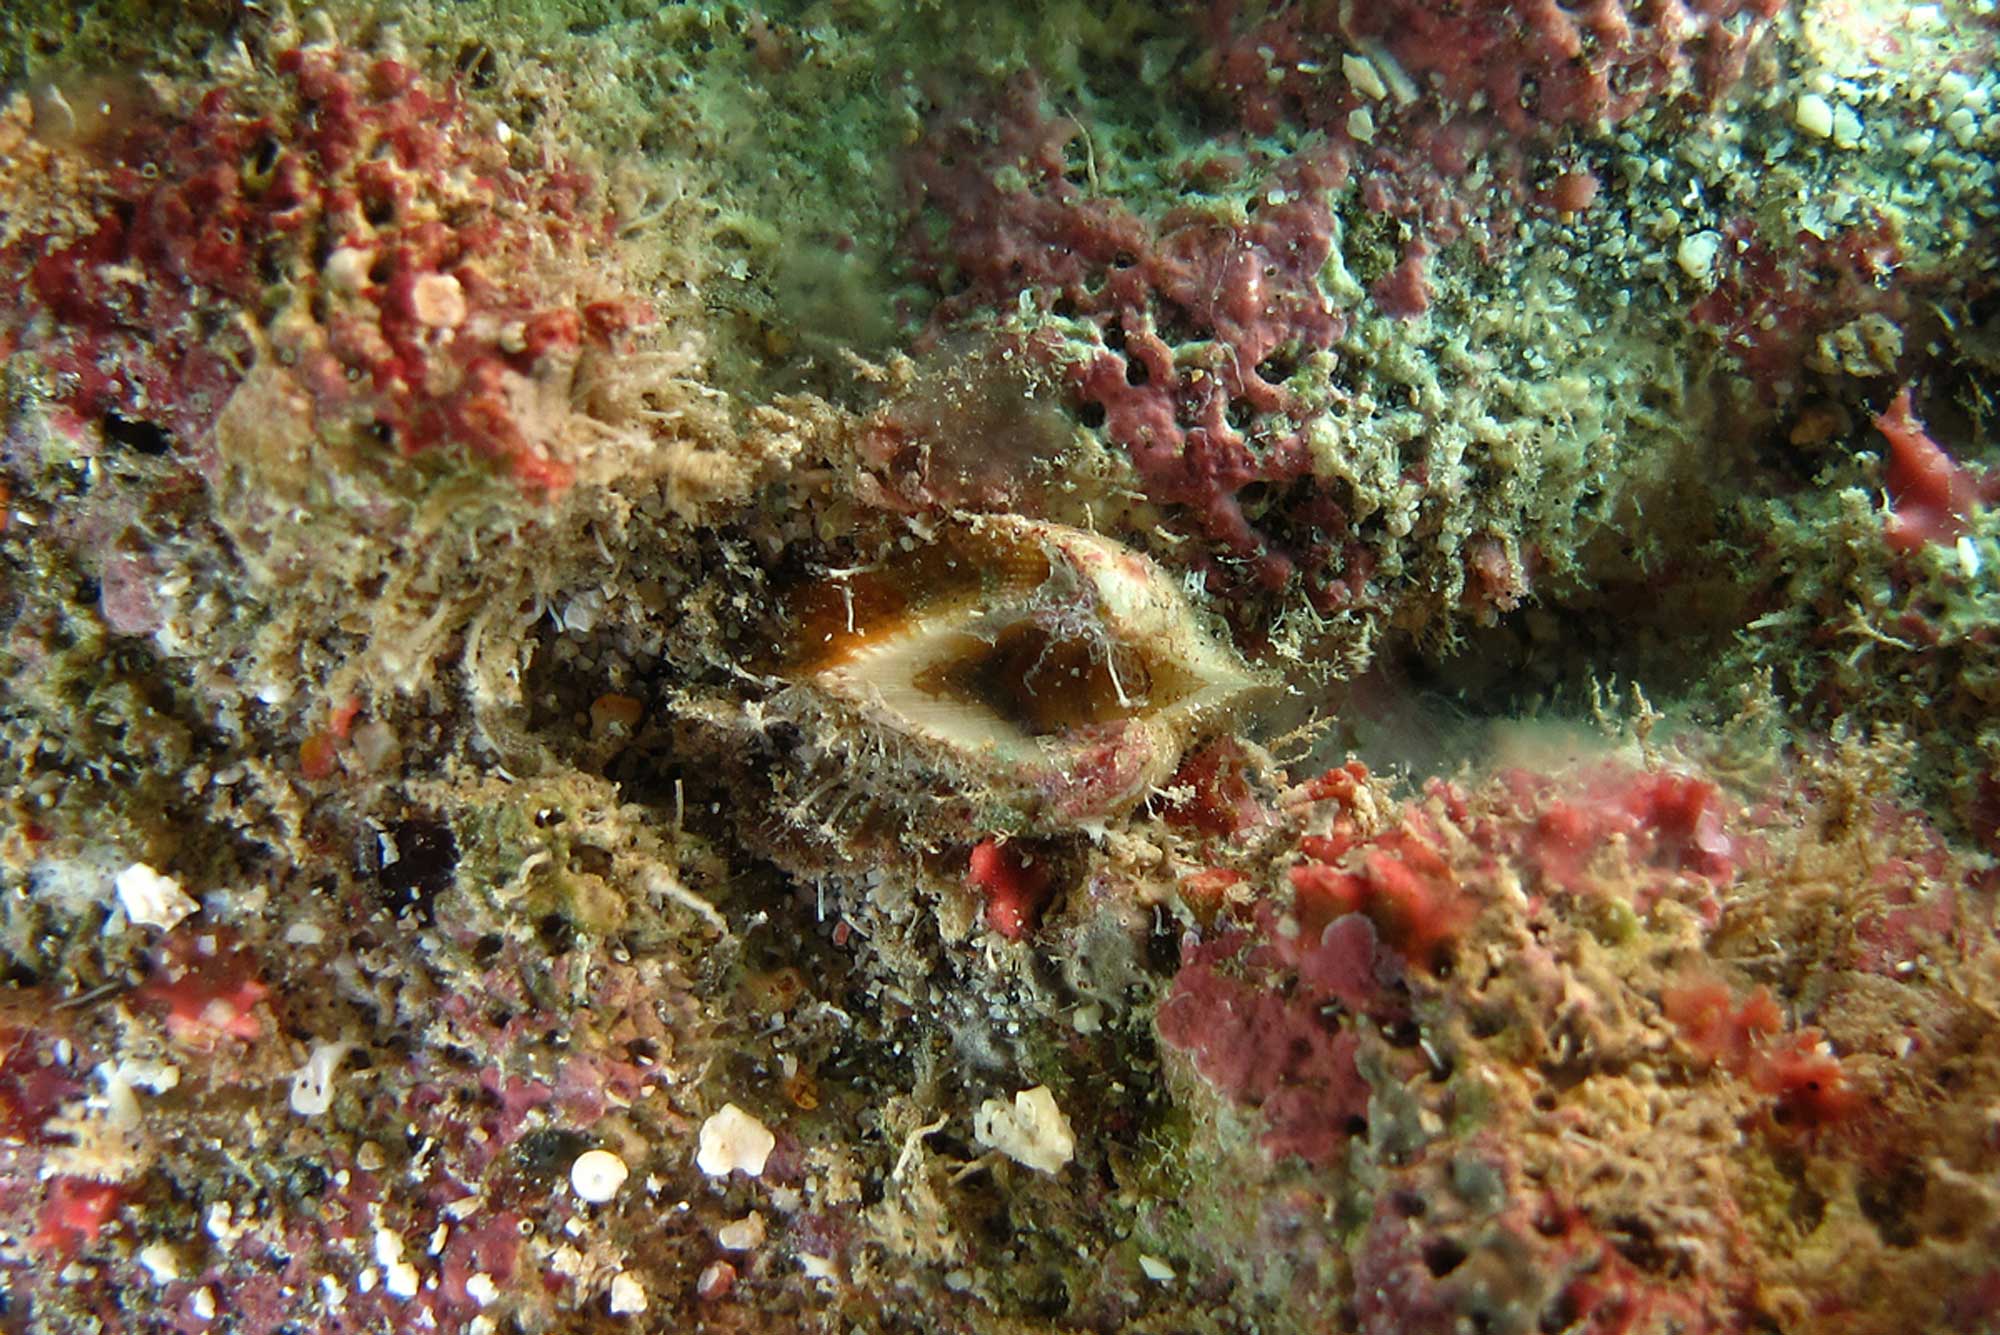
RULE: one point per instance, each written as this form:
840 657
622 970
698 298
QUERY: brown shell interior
1043 674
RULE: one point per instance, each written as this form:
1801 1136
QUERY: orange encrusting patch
1403 886
1808 1087
73 1214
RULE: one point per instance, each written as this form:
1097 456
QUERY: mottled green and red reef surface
857 666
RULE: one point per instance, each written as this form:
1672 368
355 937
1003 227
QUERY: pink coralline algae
1534 68
353 225
1283 665
1808 1086
1670 826
1256 1026
33 1085
1462 108
1267 1007
206 988
1400 882
1778 303
1195 324
1141 290
1460 989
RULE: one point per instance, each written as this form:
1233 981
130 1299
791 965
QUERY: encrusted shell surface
1043 665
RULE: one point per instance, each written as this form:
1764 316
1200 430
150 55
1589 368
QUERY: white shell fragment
733 1141
597 1175
1031 1131
150 899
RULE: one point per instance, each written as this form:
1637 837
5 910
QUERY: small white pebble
1847 128
1361 124
377 747
153 1076
1968 556
202 1304
741 1235
733 1140
582 613
221 1223
162 1262
1155 1268
1962 126
1696 254
1361 72
597 1175
346 269
1814 115
399 1277
628 1296
481 1289
150 899
438 300
567 1261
